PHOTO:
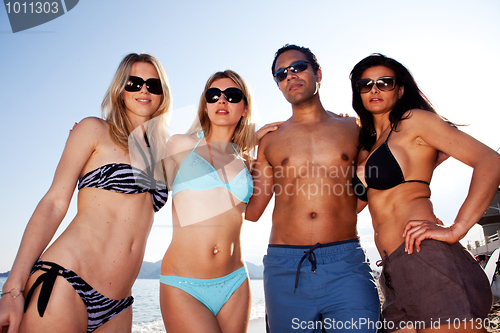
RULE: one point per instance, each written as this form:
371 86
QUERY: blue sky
57 73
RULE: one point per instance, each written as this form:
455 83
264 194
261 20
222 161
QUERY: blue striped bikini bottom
100 308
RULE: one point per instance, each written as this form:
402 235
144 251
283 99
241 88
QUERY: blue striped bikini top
124 178
197 174
127 179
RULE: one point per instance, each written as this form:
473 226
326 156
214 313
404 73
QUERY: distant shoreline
153 278
151 270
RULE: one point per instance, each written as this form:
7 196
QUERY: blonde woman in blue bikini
204 283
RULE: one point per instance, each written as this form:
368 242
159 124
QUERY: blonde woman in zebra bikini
84 279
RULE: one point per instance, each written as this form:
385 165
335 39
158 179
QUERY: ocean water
146 308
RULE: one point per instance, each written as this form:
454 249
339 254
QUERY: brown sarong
442 285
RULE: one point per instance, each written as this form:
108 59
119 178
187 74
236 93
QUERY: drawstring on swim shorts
312 258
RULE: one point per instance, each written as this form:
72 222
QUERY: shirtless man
309 163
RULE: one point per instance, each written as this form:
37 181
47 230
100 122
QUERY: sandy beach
258 326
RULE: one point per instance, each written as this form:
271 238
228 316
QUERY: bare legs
183 313
66 312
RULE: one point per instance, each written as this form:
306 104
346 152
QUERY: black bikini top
382 172
125 178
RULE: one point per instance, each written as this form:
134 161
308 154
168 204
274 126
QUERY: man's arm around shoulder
262 175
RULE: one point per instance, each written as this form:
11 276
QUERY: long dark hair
412 98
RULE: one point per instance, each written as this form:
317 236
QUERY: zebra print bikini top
124 178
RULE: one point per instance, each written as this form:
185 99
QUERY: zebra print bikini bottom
100 308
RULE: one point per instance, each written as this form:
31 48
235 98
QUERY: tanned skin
308 163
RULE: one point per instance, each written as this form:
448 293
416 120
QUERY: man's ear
319 74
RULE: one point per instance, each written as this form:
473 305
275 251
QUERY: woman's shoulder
183 139
92 131
419 115
90 127
418 118
181 142
92 123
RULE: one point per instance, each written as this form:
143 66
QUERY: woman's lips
143 100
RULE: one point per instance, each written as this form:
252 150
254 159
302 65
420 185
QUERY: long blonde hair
244 133
113 106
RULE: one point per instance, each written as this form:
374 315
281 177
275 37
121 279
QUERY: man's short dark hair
306 51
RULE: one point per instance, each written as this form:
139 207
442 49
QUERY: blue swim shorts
323 286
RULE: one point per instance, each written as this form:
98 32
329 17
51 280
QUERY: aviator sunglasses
233 95
135 83
296 67
384 83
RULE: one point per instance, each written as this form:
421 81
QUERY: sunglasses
135 83
384 83
296 67
233 95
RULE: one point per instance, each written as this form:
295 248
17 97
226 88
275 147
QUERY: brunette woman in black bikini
400 137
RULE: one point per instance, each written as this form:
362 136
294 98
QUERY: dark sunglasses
233 95
296 67
384 83
135 83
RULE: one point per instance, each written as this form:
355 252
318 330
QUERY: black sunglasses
384 83
296 67
135 83
233 95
